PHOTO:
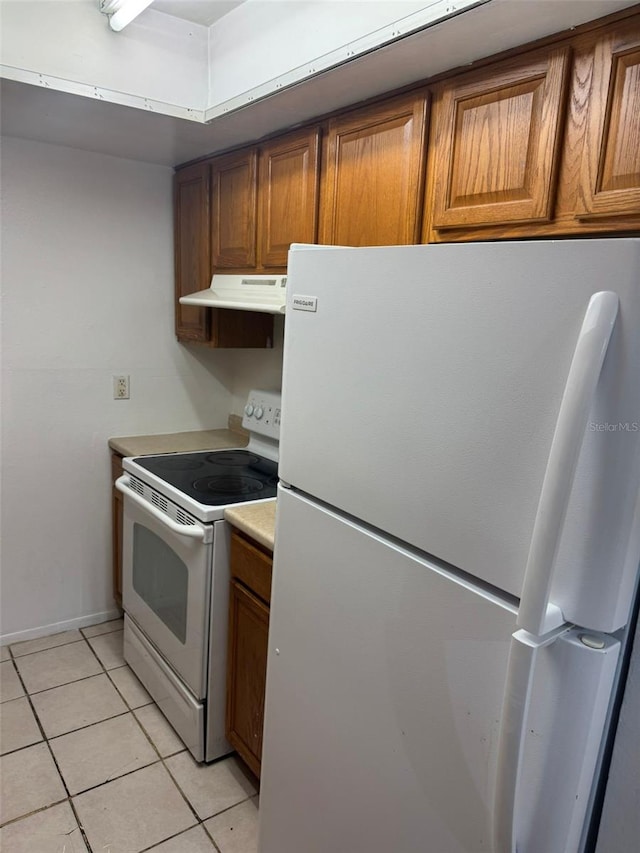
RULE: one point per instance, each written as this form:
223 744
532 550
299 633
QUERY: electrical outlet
120 387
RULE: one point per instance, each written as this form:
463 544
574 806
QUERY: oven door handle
122 485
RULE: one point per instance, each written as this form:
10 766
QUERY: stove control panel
262 413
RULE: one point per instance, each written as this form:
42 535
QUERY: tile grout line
130 710
72 805
46 739
48 649
73 681
200 822
9 646
160 758
62 779
64 683
55 763
121 694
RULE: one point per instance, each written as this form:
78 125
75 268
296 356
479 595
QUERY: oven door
166 577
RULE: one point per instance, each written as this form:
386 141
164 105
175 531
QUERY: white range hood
265 293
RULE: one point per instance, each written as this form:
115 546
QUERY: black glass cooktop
216 477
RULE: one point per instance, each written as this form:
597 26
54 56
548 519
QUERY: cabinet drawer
251 566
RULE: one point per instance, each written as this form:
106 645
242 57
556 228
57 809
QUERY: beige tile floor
88 762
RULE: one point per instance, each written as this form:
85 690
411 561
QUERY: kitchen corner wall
254 368
87 292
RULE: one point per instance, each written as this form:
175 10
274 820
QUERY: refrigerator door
385 683
557 698
384 726
421 393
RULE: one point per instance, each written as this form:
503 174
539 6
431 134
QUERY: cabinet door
246 675
233 210
610 175
192 255
117 513
288 195
372 189
496 142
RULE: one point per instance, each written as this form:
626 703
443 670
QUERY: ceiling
46 115
205 12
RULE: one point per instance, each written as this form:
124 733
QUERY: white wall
87 287
260 369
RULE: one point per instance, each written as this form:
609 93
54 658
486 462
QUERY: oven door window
161 579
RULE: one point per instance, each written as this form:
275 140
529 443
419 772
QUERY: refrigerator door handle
557 697
537 614
517 694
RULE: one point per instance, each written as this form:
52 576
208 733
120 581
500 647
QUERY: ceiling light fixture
122 12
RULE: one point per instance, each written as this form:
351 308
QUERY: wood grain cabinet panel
251 566
371 190
117 519
227 186
610 176
234 191
248 639
192 255
288 195
496 142
250 593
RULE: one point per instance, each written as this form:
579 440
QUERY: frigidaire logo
305 303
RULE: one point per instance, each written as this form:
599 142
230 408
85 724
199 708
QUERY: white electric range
176 570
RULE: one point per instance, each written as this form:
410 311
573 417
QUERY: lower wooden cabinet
117 509
247 649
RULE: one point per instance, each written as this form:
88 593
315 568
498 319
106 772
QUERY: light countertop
177 442
257 520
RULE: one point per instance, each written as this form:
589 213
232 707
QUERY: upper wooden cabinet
193 222
192 252
288 195
234 199
371 189
543 143
610 174
496 141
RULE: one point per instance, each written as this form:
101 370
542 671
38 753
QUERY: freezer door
384 689
422 394
397 698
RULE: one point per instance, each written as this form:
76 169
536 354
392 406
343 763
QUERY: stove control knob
248 410
259 412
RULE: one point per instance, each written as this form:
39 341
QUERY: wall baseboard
58 627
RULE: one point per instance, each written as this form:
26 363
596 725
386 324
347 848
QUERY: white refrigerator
457 546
